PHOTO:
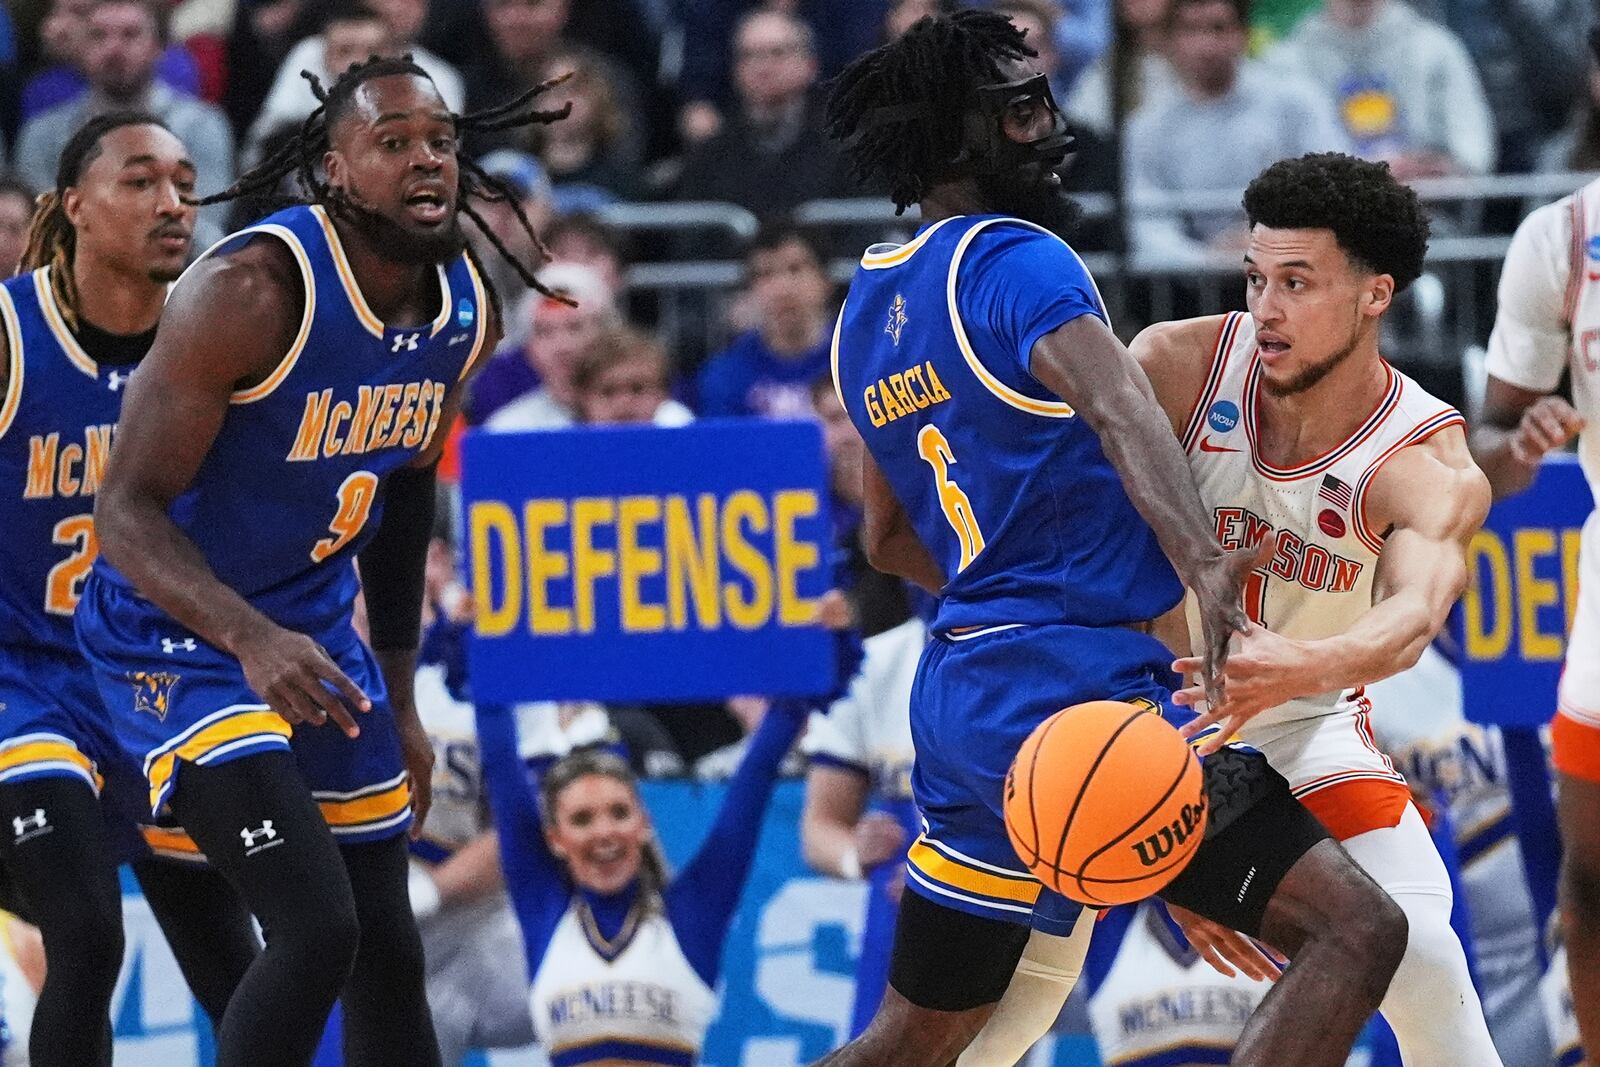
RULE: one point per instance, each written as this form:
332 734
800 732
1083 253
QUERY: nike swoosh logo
1207 446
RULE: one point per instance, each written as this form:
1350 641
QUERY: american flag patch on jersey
1336 491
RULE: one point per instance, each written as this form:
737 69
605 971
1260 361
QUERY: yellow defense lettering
41 466
543 565
752 612
791 556
312 423
334 442
1534 593
98 440
1487 644
1571 541
636 562
874 412
694 568
589 562
66 481
493 519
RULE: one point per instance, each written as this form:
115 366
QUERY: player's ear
333 166
72 206
1379 295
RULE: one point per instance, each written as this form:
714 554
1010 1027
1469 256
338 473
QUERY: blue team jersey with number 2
1008 489
289 492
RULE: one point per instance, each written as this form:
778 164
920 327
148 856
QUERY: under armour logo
26 826
115 379
459 338
263 833
406 341
169 646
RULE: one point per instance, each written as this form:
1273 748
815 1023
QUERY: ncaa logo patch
464 313
1223 416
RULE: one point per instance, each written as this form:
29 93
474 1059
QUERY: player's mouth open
427 206
1271 347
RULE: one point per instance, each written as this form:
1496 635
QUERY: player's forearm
1387 639
903 555
1507 474
829 846
138 538
472 873
399 669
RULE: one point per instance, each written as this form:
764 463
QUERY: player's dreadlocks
51 239
899 110
302 154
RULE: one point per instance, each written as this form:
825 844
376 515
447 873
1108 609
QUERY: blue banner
1522 590
639 563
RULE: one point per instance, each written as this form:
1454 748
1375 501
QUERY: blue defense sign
1522 590
638 563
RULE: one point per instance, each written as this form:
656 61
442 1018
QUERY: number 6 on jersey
935 449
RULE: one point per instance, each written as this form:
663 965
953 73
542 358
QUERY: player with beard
102 248
1012 470
286 424
1299 433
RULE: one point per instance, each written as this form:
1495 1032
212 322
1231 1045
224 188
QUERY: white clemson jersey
1319 580
1548 320
633 1000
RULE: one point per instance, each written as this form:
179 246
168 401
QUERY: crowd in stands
720 100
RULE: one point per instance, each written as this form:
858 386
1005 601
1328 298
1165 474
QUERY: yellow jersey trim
171 842
481 295
941 868
267 385
365 809
58 324
15 367
838 328
196 745
900 253
358 300
1050 409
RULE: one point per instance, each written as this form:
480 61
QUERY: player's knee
1373 938
85 942
1580 889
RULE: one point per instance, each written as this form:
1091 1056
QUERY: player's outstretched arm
228 324
1430 498
1083 363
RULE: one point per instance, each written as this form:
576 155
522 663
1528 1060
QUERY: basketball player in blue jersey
102 248
1016 468
285 424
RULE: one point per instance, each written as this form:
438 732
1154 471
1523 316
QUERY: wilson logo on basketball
1159 845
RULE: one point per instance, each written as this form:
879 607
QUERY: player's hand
1264 670
417 750
1220 947
1218 589
299 680
1548 424
879 837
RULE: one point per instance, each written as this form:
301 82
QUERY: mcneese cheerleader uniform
627 978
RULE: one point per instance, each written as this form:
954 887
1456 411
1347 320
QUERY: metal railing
687 299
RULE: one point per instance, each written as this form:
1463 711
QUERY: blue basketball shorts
976 698
175 700
53 725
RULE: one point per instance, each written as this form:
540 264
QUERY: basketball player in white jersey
1300 435
1548 324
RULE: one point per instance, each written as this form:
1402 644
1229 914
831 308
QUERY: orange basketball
1104 803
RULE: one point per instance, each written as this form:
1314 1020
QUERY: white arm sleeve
1531 339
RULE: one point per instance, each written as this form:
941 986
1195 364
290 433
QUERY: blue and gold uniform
1050 570
286 498
58 410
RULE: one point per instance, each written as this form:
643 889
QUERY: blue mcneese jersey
58 409
289 492
1007 488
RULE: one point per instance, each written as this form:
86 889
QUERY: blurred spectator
557 335
1406 87
527 181
1132 73
16 212
65 36
584 238
769 370
1079 34
201 28
1039 19
124 44
1531 57
770 154
263 33
524 36
1577 148
596 145
622 379
1273 20
904 14
355 30
1225 99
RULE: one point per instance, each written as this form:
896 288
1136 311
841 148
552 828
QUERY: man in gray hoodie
1405 87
